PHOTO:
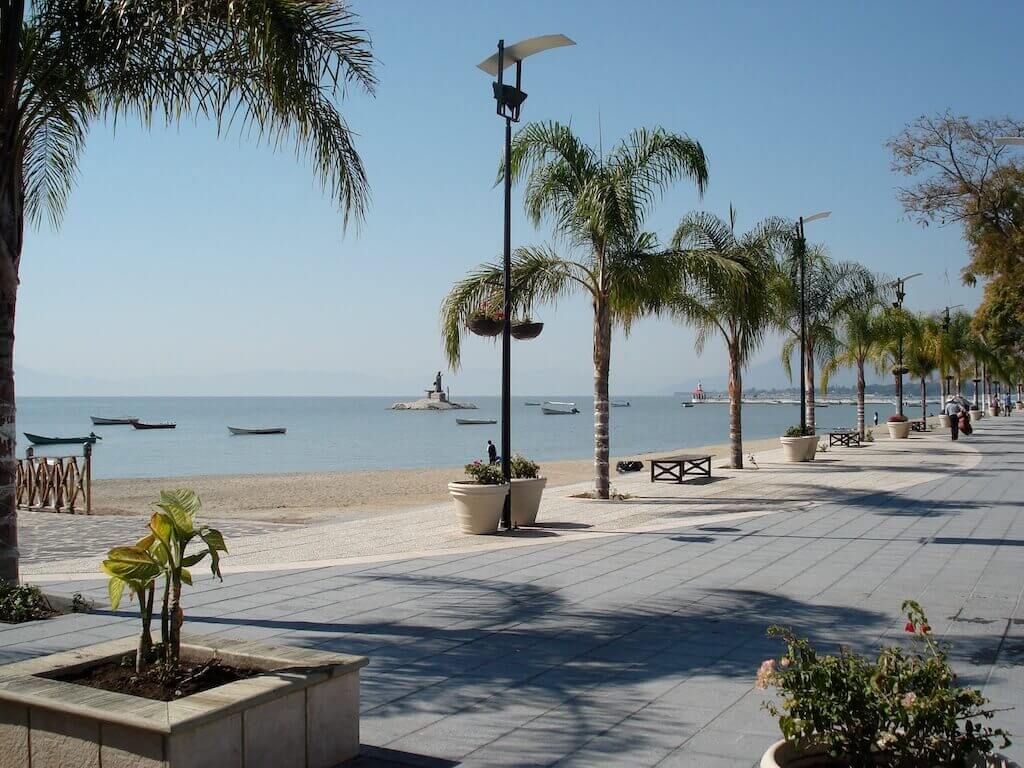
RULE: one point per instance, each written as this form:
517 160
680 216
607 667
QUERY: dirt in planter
158 682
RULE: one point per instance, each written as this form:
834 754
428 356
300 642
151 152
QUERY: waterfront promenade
626 634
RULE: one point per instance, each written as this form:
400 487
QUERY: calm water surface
347 433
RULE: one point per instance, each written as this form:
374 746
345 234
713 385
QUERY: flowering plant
523 468
897 418
491 309
485 474
902 708
796 431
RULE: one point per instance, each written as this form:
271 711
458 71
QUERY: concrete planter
1019 406
944 421
993 410
975 415
786 754
799 448
302 712
478 507
898 430
526 495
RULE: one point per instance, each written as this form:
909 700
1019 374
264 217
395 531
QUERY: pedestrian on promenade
953 410
492 453
1007 402
876 418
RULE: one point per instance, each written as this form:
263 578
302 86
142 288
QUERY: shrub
523 468
485 474
869 436
902 708
21 602
491 309
897 418
795 431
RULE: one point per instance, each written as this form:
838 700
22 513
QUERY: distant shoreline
312 497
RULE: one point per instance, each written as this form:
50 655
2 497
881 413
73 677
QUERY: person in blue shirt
1007 403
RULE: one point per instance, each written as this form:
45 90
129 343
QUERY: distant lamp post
945 330
900 370
510 100
801 245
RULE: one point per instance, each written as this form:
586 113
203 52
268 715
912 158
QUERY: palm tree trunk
735 408
924 399
602 363
860 398
809 383
12 222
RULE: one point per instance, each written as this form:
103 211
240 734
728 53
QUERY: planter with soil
975 414
898 430
485 326
799 448
230 703
526 496
786 754
527 330
478 506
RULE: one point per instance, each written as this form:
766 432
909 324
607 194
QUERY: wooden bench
845 437
919 425
676 467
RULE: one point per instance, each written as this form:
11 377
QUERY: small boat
468 422
102 421
621 405
40 440
687 405
153 425
528 403
559 409
265 431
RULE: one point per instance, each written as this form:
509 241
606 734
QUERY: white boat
466 422
559 409
530 403
264 431
624 404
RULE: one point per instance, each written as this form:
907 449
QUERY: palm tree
831 288
895 325
919 354
858 340
741 309
273 68
597 206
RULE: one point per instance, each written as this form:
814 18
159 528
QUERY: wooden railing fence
55 483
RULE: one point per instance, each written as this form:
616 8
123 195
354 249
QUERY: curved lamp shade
522 49
816 216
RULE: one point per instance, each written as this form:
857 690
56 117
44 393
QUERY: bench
844 437
919 425
676 467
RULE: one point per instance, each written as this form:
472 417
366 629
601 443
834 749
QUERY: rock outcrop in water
436 400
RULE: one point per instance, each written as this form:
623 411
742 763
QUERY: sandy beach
321 496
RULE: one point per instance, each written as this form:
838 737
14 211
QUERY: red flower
909 627
925 629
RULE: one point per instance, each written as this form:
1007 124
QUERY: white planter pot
526 495
898 430
799 448
478 507
1019 406
944 421
975 416
785 754
302 710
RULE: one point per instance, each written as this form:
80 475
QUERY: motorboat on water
624 404
472 422
41 440
263 431
102 421
552 408
153 425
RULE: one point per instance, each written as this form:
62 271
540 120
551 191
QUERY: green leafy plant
869 436
902 708
163 553
21 602
492 308
524 469
795 431
485 474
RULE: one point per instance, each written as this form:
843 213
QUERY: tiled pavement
637 649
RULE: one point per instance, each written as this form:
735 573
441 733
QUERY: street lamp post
510 100
899 284
945 330
801 244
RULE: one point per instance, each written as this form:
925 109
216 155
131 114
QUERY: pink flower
908 700
765 673
910 627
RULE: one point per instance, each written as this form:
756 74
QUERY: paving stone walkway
638 648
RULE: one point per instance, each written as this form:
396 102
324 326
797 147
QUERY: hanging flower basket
485 326
527 330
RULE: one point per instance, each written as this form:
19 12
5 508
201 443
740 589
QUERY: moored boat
467 422
624 404
41 440
530 403
263 431
153 425
559 409
103 421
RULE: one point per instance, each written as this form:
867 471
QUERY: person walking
1007 403
953 410
492 453
876 418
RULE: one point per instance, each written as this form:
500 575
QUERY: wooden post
88 478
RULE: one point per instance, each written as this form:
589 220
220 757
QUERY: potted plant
479 501
899 426
976 414
140 703
527 489
798 445
525 328
488 319
902 708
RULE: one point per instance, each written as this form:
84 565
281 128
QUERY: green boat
40 440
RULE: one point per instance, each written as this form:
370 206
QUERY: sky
192 264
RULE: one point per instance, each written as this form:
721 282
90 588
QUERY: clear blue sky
184 255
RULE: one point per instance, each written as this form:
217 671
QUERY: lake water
347 433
